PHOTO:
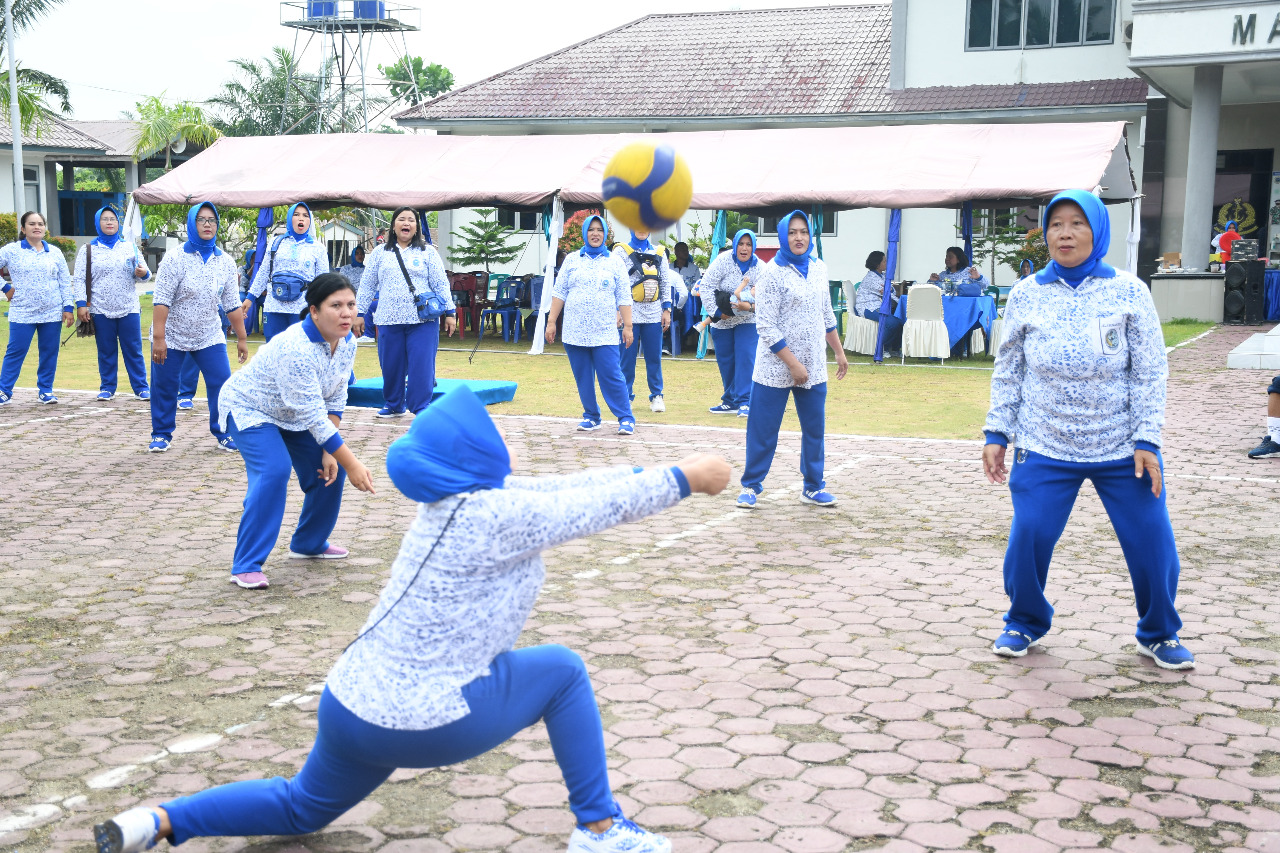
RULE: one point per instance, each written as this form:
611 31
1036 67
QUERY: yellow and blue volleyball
647 187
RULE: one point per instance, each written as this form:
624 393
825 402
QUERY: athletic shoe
818 497
228 444
1012 644
1169 654
747 500
5 399
128 832
623 837
185 404
626 428
144 394
656 404
388 412
587 425
47 399
332 552
250 580
158 445
1269 449
744 411
106 395
722 409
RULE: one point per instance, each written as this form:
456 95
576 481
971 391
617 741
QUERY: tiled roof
118 135
824 61
57 134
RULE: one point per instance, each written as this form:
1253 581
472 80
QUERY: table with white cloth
962 314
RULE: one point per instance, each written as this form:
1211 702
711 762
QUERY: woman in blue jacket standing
40 295
106 273
291 262
1079 387
402 277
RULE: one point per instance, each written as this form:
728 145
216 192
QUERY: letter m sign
1243 31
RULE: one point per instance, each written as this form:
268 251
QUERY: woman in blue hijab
796 325
1079 386
594 290
105 278
292 262
434 678
733 323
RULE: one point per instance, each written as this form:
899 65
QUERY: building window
519 220
1012 24
769 224
31 184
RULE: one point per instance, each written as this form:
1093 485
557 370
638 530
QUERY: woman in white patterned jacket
296 252
434 677
1079 386
284 409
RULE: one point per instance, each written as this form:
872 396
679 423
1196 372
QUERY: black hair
22 223
324 286
960 256
874 259
418 241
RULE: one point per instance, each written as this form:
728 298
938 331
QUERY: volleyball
647 187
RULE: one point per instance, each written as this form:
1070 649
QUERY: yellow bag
648 287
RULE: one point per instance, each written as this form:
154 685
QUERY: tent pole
549 272
891 264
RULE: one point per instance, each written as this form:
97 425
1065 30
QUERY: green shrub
8 228
67 245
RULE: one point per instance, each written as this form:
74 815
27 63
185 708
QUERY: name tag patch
1109 336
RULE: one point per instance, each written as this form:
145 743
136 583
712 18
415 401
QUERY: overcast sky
114 53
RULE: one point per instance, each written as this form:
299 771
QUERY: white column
1202 166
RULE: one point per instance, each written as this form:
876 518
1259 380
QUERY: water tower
345 39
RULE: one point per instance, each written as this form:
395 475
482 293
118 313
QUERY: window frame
517 216
1022 28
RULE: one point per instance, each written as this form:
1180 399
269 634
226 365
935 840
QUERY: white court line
1168 350
83 410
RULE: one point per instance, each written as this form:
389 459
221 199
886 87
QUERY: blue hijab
452 447
248 260
194 245
638 244
354 262
288 223
107 240
785 255
603 248
737 238
1099 223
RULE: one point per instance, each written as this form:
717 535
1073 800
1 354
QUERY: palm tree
33 86
161 126
253 105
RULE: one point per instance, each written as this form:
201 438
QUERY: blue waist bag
287 286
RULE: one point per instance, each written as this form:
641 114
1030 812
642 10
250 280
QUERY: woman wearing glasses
295 255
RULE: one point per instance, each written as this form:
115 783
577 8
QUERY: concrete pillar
131 177
68 177
51 211
1202 166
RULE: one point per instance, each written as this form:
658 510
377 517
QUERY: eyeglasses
204 220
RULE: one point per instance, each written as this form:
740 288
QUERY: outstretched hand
706 472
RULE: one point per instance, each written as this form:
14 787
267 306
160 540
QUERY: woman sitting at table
871 297
959 278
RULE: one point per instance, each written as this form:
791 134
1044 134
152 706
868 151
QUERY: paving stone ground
796 679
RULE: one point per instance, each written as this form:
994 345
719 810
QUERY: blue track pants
646 336
275 322
407 352
20 335
121 336
590 363
211 361
351 758
892 328
270 454
1044 491
736 358
767 407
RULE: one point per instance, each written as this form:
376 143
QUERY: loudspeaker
1242 298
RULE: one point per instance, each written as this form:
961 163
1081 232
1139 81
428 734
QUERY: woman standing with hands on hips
105 275
594 290
191 285
734 333
294 259
284 409
400 277
1079 385
40 294
796 325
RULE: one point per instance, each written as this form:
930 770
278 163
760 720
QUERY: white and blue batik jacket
41 280
194 290
114 289
306 258
723 273
792 312
648 312
383 281
593 289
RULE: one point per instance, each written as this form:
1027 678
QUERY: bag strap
407 280
88 274
271 260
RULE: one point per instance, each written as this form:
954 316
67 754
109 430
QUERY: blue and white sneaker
47 399
1269 449
128 832
388 412
722 409
106 395
5 399
747 500
623 837
744 411
144 394
1013 644
626 428
228 444
587 425
185 404
818 497
158 444
1169 654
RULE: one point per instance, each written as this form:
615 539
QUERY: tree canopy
431 80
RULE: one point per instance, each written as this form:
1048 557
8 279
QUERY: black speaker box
1242 298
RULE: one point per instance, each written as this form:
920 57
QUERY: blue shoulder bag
285 286
429 306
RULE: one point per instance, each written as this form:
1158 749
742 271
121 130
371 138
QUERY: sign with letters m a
1245 29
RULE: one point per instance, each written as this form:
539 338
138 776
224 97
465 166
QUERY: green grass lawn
921 399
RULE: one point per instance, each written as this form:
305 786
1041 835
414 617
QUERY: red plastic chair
463 288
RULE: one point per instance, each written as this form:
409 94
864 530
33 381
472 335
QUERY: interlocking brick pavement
791 679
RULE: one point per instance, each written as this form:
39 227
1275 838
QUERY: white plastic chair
860 334
925 334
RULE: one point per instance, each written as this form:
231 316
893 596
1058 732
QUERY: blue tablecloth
1271 295
961 314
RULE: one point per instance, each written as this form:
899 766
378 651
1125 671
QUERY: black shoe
1269 449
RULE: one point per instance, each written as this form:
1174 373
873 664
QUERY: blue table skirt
1271 295
961 314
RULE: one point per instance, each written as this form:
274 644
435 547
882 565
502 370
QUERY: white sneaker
623 837
656 404
128 832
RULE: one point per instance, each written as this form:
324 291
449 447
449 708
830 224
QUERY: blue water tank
370 10
322 8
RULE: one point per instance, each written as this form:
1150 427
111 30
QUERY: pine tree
484 242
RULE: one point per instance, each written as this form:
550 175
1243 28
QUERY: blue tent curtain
546 223
719 234
266 217
966 228
891 264
815 226
426 229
